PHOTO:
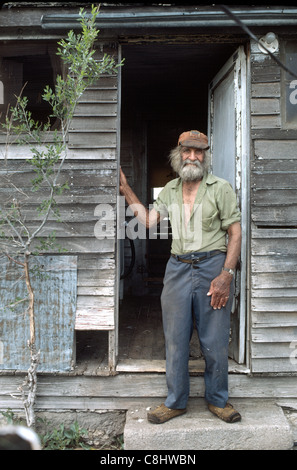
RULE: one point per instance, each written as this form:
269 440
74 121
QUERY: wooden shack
186 67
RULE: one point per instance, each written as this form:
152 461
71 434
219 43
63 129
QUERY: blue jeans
184 294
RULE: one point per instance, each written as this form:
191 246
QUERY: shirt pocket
209 223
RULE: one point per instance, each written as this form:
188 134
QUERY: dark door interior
164 92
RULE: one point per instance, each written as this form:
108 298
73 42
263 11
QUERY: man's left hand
220 290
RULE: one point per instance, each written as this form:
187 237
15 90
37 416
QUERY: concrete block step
263 427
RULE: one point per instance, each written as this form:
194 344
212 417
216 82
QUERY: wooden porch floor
141 332
141 342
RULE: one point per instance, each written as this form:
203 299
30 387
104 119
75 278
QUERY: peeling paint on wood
54 280
94 318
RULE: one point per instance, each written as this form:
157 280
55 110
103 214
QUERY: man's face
192 168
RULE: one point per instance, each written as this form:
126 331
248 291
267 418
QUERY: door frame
239 65
242 141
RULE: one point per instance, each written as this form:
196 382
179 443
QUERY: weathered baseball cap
193 139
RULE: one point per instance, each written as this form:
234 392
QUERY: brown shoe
162 414
228 414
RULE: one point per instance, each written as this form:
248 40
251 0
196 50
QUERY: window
289 85
29 67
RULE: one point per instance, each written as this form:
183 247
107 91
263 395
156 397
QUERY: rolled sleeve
161 203
227 203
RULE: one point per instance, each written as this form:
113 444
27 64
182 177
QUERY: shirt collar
208 178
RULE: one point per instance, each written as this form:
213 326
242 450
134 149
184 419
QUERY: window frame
288 84
11 51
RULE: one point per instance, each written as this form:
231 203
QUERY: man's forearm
145 217
234 246
135 205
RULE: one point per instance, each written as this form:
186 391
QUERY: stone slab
263 427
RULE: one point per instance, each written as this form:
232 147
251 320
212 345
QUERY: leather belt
198 259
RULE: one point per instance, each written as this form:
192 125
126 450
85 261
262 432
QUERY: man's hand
123 181
220 287
220 290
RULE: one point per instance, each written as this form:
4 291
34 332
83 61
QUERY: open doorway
164 92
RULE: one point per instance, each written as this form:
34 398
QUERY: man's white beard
191 171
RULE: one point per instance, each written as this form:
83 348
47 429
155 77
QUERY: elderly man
199 277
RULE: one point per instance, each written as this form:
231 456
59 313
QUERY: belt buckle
198 260
195 261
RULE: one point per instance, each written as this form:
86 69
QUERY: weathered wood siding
94 135
91 171
274 223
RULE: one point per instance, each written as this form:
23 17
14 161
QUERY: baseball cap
193 139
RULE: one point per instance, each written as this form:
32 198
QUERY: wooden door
227 130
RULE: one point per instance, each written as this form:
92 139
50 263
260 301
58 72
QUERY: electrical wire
251 34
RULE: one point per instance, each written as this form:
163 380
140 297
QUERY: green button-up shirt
215 209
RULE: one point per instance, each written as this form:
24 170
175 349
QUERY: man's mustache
195 162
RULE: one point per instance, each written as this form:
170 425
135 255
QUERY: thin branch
31 300
14 260
14 304
46 216
21 241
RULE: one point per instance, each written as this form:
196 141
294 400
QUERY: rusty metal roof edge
274 16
